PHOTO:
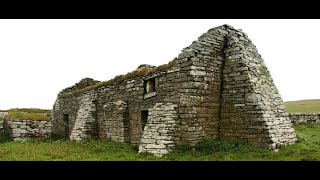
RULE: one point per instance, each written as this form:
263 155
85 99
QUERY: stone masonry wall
81 111
159 132
297 118
69 106
116 122
200 92
251 108
85 125
244 102
26 129
56 118
219 84
131 92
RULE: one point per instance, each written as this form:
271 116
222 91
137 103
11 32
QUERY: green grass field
304 106
307 148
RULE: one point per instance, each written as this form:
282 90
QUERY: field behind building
303 106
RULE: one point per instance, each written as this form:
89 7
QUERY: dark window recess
150 86
66 124
66 118
94 114
144 118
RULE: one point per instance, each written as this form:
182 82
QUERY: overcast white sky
39 57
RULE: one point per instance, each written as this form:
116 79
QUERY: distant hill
26 114
304 106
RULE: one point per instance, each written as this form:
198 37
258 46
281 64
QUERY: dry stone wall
251 108
68 106
297 118
117 121
115 106
200 92
219 87
26 129
85 125
159 132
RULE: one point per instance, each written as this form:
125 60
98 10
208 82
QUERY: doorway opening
144 118
66 124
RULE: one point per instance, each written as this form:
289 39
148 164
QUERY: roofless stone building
218 87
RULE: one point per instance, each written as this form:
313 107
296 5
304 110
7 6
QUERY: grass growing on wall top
143 71
303 106
307 148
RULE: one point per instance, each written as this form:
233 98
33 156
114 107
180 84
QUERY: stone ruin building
218 87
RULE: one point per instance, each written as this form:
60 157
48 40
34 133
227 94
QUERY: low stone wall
297 118
26 129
